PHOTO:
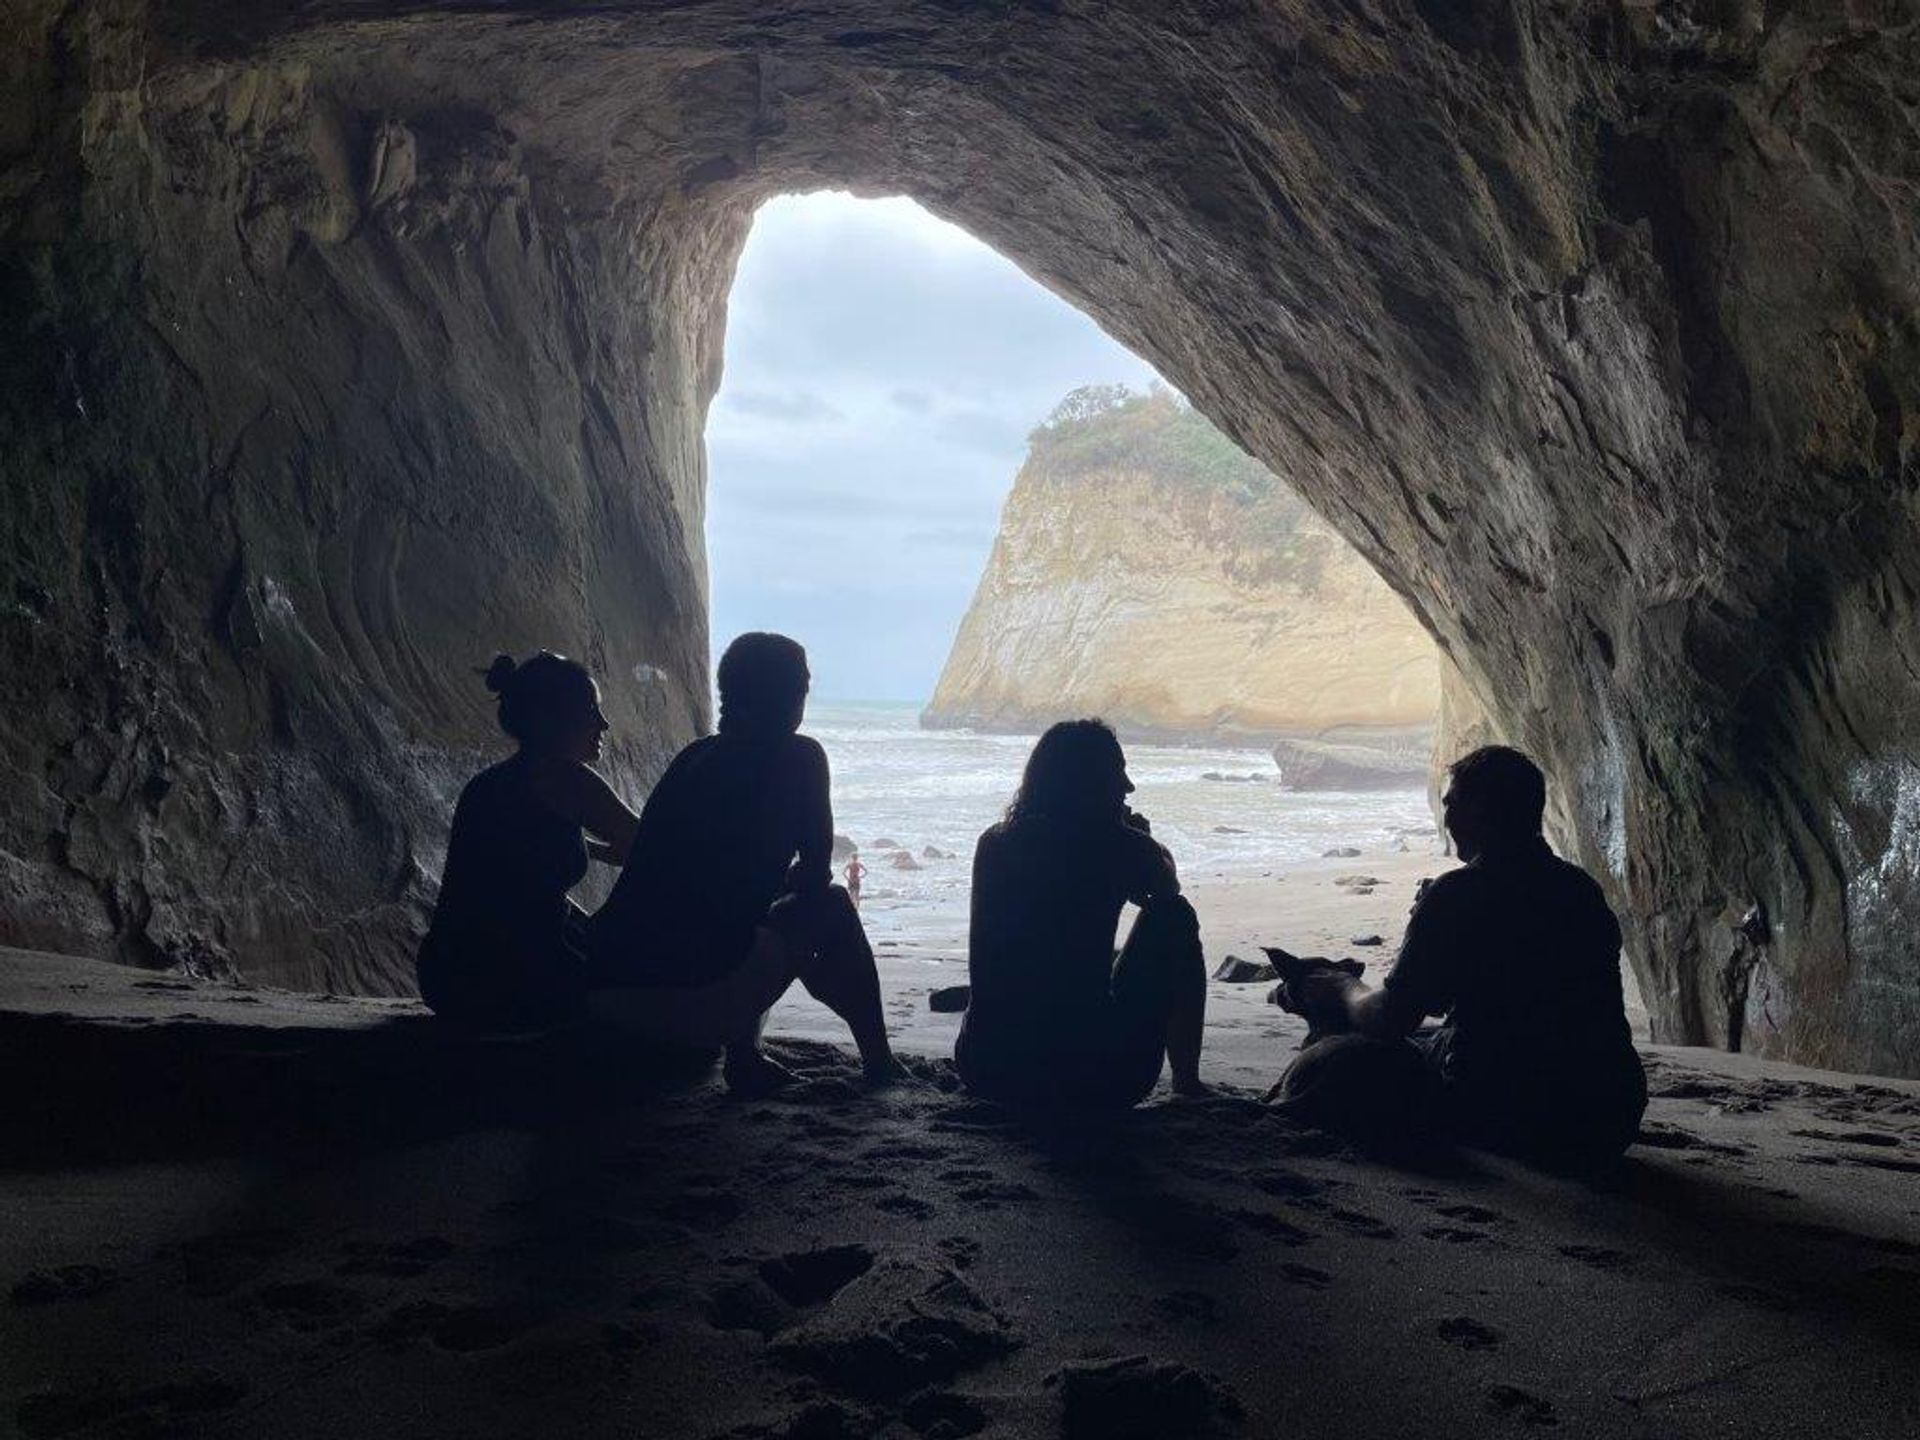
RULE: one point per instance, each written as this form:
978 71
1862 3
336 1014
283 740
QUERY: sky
883 369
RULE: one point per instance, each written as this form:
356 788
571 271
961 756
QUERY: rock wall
1176 599
348 339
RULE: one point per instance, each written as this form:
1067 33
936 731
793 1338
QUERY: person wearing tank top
503 951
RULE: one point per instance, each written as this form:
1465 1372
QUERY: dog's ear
1279 956
1351 966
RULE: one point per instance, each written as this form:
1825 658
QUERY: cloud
989 431
795 407
883 370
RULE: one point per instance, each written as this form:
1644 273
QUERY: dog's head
1299 999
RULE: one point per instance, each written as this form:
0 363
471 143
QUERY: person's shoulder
995 837
565 778
498 777
1579 881
806 748
1450 889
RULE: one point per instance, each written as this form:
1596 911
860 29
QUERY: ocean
1220 811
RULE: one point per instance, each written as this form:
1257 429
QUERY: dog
1295 998
1378 1093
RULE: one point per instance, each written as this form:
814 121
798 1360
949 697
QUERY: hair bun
499 673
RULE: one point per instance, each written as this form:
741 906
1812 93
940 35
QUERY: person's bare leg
748 1070
1166 941
841 974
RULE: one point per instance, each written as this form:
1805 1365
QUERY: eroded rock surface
349 341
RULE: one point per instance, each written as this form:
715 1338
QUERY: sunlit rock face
349 341
1147 572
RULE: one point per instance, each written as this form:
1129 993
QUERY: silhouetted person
727 896
1054 1018
503 951
1519 951
856 872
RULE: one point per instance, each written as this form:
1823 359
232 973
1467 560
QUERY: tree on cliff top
1102 428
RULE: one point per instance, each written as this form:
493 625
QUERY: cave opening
887 377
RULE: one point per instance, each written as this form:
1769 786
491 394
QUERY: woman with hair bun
503 949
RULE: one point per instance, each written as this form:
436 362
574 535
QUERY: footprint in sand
63 1282
891 1151
1140 1396
221 1262
461 1329
1760 1297
961 1251
904 1205
1455 1234
1468 1333
1510 1402
166 1409
1192 1306
943 1415
399 1259
1287 1184
1307 1275
1273 1227
899 1328
749 1305
992 1194
1598 1256
311 1304
1361 1223
1469 1214
812 1277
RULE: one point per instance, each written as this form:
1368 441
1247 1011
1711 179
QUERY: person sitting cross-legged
727 894
1520 953
1053 1017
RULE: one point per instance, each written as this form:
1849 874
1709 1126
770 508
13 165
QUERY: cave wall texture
346 342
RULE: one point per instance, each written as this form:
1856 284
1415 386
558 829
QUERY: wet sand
239 1212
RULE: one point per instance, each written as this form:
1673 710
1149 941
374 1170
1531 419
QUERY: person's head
763 685
1494 800
1077 771
550 704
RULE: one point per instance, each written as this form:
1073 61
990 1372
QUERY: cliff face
1176 591
348 340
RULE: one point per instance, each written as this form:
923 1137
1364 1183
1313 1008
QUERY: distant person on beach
1054 1017
856 872
727 895
504 948
1520 953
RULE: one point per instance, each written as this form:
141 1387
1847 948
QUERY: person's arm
1420 984
1146 864
586 798
813 869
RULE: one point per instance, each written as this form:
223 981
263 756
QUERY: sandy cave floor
236 1212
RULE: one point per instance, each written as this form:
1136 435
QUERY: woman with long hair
503 951
1055 1017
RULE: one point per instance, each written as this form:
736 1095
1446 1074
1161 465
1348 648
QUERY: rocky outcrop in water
1149 572
349 341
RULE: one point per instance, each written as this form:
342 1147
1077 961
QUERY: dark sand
235 1212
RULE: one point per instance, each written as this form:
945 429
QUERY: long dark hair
540 697
1069 772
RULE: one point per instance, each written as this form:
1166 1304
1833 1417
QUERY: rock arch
350 338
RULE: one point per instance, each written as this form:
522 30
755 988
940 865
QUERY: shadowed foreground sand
235 1212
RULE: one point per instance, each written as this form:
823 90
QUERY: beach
235 1211
246 1213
